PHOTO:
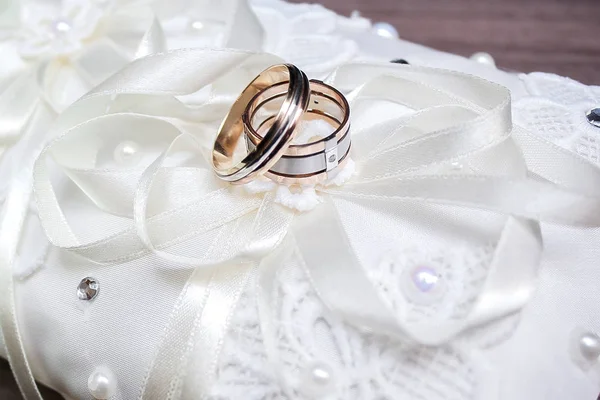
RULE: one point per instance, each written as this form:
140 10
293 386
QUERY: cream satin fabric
243 237
40 79
36 81
27 115
26 109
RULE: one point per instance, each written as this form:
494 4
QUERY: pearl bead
318 379
425 278
102 383
127 153
61 26
484 58
196 25
593 117
422 285
385 30
589 345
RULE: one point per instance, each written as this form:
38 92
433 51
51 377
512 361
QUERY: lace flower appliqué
304 34
58 29
556 110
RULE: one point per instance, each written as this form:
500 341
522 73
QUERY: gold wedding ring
310 162
267 114
276 138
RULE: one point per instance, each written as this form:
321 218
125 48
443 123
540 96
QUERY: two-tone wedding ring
276 139
263 122
312 161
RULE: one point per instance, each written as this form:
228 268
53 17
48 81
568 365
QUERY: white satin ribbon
17 202
153 41
459 117
97 60
243 30
16 207
18 104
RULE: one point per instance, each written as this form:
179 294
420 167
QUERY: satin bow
36 87
27 107
31 96
173 206
36 77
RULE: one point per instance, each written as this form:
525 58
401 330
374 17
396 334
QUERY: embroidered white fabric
366 367
363 366
519 358
557 108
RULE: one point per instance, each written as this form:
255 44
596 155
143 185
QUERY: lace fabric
367 366
362 366
556 110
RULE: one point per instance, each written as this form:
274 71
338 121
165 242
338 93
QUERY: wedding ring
295 91
310 162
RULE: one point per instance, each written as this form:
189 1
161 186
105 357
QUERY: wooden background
560 36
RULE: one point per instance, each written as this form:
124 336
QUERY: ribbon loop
24 107
427 120
18 102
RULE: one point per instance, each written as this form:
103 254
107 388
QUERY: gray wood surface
560 36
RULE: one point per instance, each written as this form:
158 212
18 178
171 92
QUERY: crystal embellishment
87 289
593 117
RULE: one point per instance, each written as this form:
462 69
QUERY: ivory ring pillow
453 257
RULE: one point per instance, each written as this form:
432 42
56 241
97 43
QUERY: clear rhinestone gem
593 117
88 289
